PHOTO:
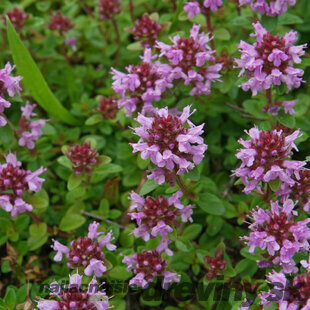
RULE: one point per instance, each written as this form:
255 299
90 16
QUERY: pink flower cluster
109 8
29 130
147 266
9 86
86 251
276 232
143 84
73 296
196 7
296 295
171 142
158 216
265 157
270 8
190 60
14 181
270 60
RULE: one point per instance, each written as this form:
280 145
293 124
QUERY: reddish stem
269 96
184 188
209 27
49 229
131 11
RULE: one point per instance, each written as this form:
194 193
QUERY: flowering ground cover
154 154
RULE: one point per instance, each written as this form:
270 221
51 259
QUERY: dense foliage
154 154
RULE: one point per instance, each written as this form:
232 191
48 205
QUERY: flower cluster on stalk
60 23
270 8
16 181
270 60
9 86
18 18
196 7
171 142
74 297
30 130
86 252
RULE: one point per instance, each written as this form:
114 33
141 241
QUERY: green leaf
184 246
10 298
64 161
289 19
74 181
270 23
33 79
221 34
215 224
274 184
71 221
5 266
119 273
148 187
211 204
94 119
192 231
38 236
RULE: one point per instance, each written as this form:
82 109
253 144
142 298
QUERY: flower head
194 7
276 232
109 8
157 216
147 30
270 8
86 252
189 60
165 139
29 130
107 108
9 86
143 84
82 158
17 18
14 181
265 158
270 60
60 23
295 295
147 266
72 296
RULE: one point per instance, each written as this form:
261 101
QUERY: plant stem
269 96
49 229
118 40
184 188
209 27
131 11
99 218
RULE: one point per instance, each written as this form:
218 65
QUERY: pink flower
165 140
270 8
265 158
269 61
86 251
192 60
147 266
13 182
276 232
157 216
192 8
73 296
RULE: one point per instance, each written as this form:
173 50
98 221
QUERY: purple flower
73 296
265 158
9 86
288 106
168 143
194 7
270 8
269 61
276 232
295 294
86 251
25 124
143 84
147 266
158 216
14 181
190 59
71 42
